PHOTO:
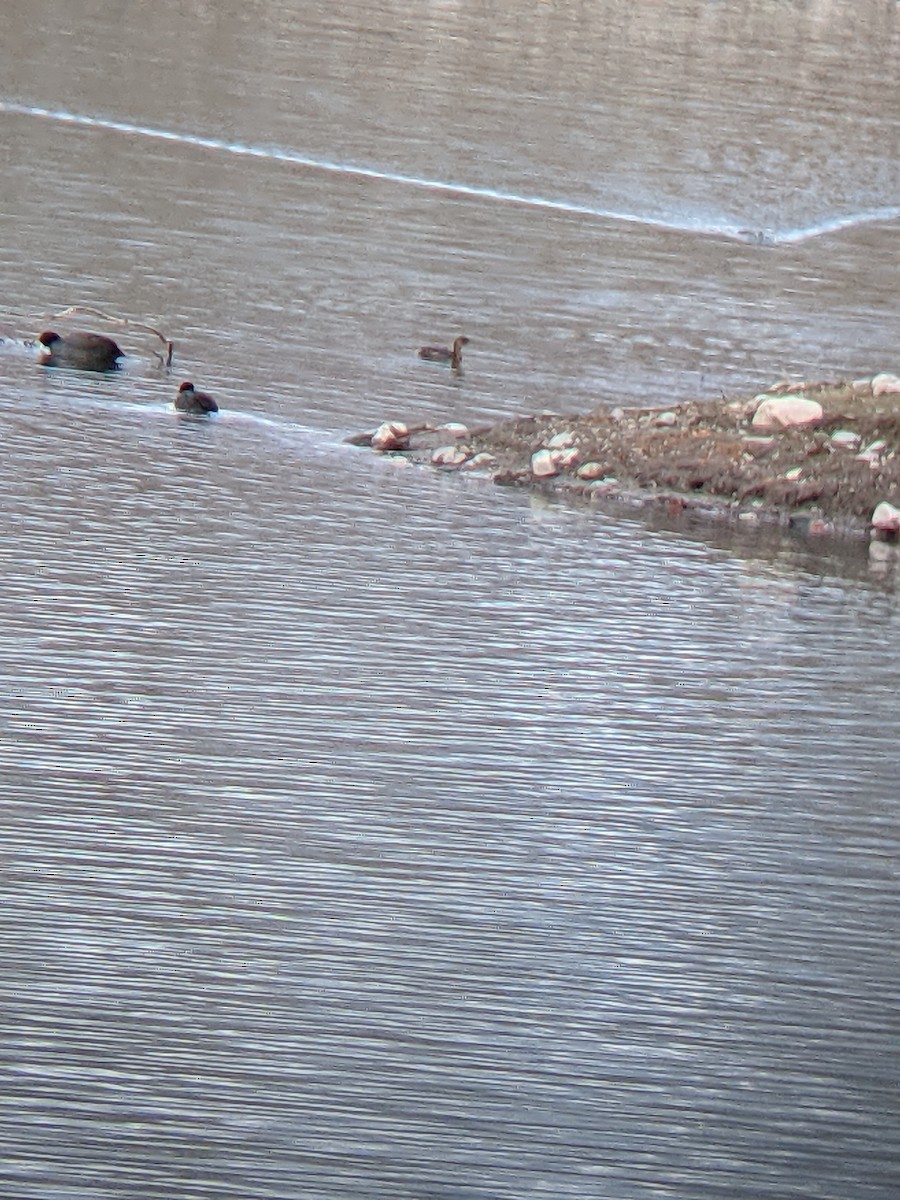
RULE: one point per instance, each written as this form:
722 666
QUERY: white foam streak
762 237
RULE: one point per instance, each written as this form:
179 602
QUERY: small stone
752 518
844 439
886 518
793 474
392 435
511 478
786 411
454 429
882 556
666 419
450 456
756 447
590 470
565 459
602 488
872 453
885 384
617 414
819 527
543 464
561 441
480 462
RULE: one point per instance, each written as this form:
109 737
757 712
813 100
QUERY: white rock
786 411
618 413
872 453
844 439
543 464
882 556
392 435
666 418
481 462
886 518
885 384
590 470
561 441
793 474
450 456
565 459
454 429
603 487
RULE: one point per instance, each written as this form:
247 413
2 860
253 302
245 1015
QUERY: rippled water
375 834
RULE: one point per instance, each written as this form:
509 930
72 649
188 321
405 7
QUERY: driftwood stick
96 312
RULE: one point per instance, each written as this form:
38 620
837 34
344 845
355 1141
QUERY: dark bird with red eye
198 404
79 351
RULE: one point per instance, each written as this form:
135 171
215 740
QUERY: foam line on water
295 158
870 216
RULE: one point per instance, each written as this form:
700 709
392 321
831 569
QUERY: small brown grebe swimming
80 351
189 400
442 354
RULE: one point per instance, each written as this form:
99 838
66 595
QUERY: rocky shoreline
823 457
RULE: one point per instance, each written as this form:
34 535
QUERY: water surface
376 834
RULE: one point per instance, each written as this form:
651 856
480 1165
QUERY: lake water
377 834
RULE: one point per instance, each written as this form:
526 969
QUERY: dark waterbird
79 351
444 354
189 400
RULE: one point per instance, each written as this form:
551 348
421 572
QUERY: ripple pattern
465 871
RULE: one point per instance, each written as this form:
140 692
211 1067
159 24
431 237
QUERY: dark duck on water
198 404
444 354
79 351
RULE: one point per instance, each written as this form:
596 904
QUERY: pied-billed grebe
189 400
444 355
80 351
